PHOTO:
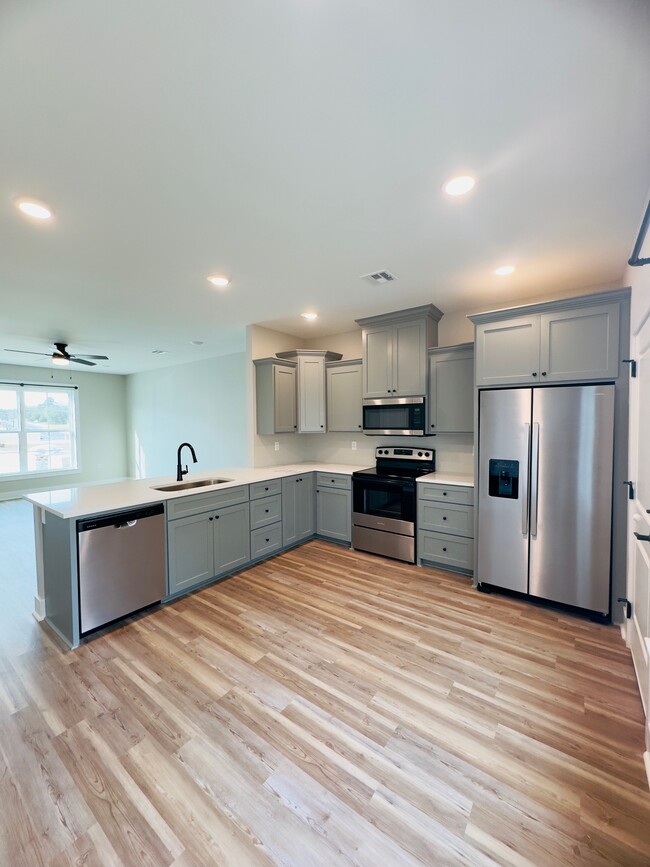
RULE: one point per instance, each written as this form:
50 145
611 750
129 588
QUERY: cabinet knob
433 425
543 373
210 519
266 489
268 540
444 517
295 426
444 493
534 373
359 426
216 517
444 549
322 425
267 511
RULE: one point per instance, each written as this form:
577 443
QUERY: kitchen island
210 531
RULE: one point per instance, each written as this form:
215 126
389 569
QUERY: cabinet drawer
266 489
452 551
446 493
207 502
266 511
266 540
334 480
450 518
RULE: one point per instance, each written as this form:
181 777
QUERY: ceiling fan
63 357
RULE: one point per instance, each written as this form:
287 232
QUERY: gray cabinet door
297 508
378 361
231 538
334 513
451 391
410 358
344 396
190 551
306 507
311 385
284 399
507 352
580 344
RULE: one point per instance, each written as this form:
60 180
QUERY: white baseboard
39 608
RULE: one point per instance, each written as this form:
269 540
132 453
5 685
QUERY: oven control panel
402 452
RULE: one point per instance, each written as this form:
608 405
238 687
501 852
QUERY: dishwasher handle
126 524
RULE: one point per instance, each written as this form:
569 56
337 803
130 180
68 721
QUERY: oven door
384 504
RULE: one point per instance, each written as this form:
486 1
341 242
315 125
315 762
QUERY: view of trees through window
37 430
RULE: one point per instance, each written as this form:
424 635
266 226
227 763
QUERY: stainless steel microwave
394 416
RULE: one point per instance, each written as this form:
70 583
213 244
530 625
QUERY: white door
638 635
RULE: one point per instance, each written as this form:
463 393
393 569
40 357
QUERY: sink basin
187 486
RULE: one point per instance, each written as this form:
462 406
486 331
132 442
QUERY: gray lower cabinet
298 519
451 389
334 506
344 396
446 526
207 537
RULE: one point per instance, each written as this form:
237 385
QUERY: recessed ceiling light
35 210
60 361
504 270
217 280
196 342
459 186
309 316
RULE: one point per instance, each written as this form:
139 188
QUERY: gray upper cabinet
312 416
451 389
395 351
564 341
580 344
275 396
344 395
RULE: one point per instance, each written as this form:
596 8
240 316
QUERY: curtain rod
39 384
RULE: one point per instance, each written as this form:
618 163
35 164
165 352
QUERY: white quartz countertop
441 478
88 500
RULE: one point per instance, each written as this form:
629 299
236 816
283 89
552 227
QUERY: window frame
20 389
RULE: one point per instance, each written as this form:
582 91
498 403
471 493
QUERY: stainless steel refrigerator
545 492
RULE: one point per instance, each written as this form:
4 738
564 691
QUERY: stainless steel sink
187 486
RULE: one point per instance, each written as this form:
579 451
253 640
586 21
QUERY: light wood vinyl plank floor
323 708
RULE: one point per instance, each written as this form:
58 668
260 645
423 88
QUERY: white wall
102 426
203 402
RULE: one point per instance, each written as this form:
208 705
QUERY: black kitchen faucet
180 472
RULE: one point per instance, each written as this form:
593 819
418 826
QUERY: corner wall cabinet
451 389
344 396
395 351
275 396
311 386
563 341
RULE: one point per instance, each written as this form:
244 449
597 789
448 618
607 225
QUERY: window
38 430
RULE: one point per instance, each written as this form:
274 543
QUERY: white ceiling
297 144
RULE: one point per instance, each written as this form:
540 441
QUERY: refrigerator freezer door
571 495
504 447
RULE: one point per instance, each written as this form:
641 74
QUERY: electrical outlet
354 446
277 447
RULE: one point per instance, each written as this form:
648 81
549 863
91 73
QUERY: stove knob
427 455
419 454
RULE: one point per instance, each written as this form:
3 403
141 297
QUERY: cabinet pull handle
642 538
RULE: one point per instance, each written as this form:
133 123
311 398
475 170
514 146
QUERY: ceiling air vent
379 277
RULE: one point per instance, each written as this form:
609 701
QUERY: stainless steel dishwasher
121 564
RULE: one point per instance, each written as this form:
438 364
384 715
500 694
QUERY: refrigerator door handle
534 478
524 492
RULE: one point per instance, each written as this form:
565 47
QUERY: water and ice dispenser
503 479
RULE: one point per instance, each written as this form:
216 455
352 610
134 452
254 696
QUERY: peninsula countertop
89 500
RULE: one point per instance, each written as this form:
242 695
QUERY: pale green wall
203 402
102 425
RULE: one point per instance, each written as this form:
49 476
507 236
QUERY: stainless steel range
384 501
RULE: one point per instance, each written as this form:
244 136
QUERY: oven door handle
382 483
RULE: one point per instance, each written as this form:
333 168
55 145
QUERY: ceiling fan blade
27 352
78 360
96 357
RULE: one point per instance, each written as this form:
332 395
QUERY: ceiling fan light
60 360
